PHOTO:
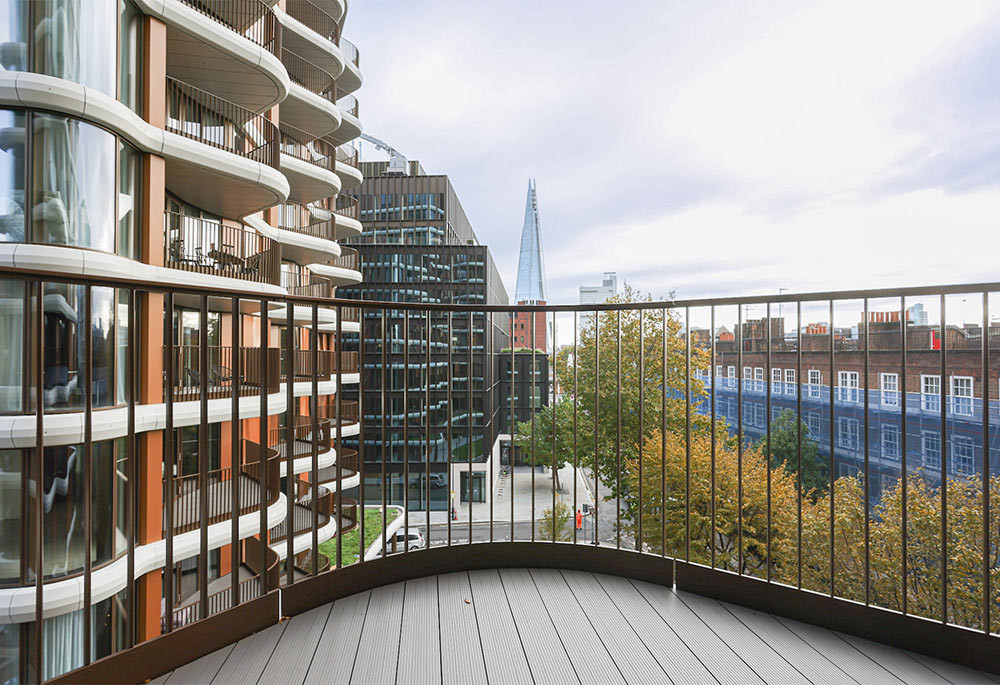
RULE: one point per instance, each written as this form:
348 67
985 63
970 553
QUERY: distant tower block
530 278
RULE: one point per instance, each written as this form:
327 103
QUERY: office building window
930 392
789 381
889 384
847 386
758 379
776 381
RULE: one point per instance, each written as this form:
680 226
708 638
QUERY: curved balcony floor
350 128
218 181
350 79
308 182
213 57
337 275
346 226
17 605
524 625
350 176
310 112
296 247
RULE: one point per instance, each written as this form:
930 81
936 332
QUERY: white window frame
848 383
962 402
758 379
930 448
776 381
718 370
731 374
815 382
890 442
889 389
930 401
789 381
963 455
814 422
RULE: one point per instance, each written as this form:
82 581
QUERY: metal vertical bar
88 465
314 433
203 371
833 376
491 369
944 463
513 425
867 324
451 417
618 429
554 375
384 417
236 460
290 420
769 386
131 470
39 472
903 489
264 446
597 413
531 390
360 510
711 531
642 406
469 477
468 423
687 438
576 476
427 433
798 440
739 438
406 431
168 461
339 414
986 464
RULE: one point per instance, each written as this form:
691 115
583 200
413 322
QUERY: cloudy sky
712 148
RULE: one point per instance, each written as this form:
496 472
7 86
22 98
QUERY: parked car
408 538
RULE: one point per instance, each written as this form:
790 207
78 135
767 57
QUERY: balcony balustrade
299 219
211 247
325 366
306 284
214 490
302 442
315 18
348 154
347 205
196 114
303 145
349 105
883 528
188 383
252 19
350 52
308 75
349 258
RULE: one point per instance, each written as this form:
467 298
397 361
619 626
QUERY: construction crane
397 162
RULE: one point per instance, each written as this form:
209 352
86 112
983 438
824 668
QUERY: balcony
350 80
311 102
715 546
319 20
309 164
187 372
306 284
347 166
232 184
211 247
244 54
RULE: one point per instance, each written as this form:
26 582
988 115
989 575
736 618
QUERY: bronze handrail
310 76
315 18
305 146
349 259
188 383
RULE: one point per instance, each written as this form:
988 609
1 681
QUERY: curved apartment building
194 142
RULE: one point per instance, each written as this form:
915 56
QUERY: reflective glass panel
12 141
68 41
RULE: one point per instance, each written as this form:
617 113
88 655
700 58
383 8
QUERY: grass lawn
461 454
349 543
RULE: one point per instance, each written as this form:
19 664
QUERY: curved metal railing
349 258
308 75
212 247
209 119
252 19
315 18
305 146
349 105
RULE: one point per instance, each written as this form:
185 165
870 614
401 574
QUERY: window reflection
12 326
74 166
67 41
12 141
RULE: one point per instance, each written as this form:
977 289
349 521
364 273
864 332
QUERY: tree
784 452
562 523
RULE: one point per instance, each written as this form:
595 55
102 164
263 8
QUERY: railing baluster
739 438
618 429
39 477
406 431
131 470
833 376
597 412
944 462
383 418
867 456
339 493
427 431
711 531
290 420
360 509
236 453
769 387
642 412
687 438
576 395
468 423
903 487
798 440
263 447
513 422
553 382
206 383
987 545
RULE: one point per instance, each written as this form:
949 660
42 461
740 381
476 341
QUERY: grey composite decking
549 626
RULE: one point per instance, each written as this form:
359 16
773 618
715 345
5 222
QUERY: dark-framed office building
419 246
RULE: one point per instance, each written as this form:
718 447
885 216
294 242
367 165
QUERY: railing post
168 465
88 467
236 460
314 430
206 382
290 421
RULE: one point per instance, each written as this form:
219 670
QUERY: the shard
530 268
